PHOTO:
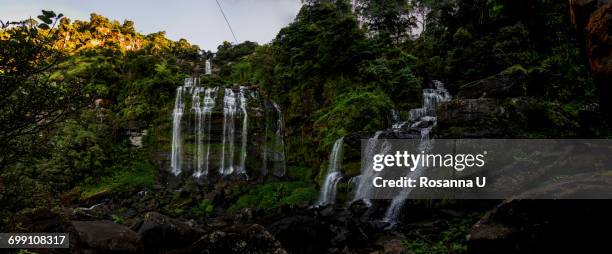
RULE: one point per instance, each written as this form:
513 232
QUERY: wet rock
245 215
327 211
251 238
160 232
107 237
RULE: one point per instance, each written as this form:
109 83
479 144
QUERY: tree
389 20
32 99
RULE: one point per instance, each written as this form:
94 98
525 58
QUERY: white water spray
328 190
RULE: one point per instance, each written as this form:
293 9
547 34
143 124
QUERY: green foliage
32 103
354 111
389 20
450 240
79 152
273 195
470 40
228 55
137 175
72 90
300 173
203 208
117 219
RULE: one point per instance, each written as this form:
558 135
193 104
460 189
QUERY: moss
139 175
300 173
352 168
203 208
273 195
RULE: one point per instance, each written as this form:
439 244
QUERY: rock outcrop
543 226
592 20
107 237
246 238
159 232
511 82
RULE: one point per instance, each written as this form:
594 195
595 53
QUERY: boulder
511 82
465 110
45 220
394 246
107 237
526 225
159 232
302 234
245 238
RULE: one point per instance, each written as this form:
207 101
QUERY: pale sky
198 21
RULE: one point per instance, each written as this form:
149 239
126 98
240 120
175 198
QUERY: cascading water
230 109
177 114
197 128
203 119
197 109
431 98
328 190
279 143
208 67
245 130
363 187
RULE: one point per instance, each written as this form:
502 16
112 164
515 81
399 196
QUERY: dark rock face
592 20
107 237
543 226
472 118
251 238
331 229
159 232
528 225
512 82
469 109
45 220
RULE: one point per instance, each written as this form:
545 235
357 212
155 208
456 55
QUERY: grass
139 174
273 195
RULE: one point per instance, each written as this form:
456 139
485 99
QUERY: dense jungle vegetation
72 90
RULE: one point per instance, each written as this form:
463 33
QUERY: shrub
204 208
273 195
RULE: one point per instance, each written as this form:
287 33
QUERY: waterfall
363 186
353 182
431 98
208 67
177 114
328 192
195 116
197 109
203 119
245 131
279 143
227 151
